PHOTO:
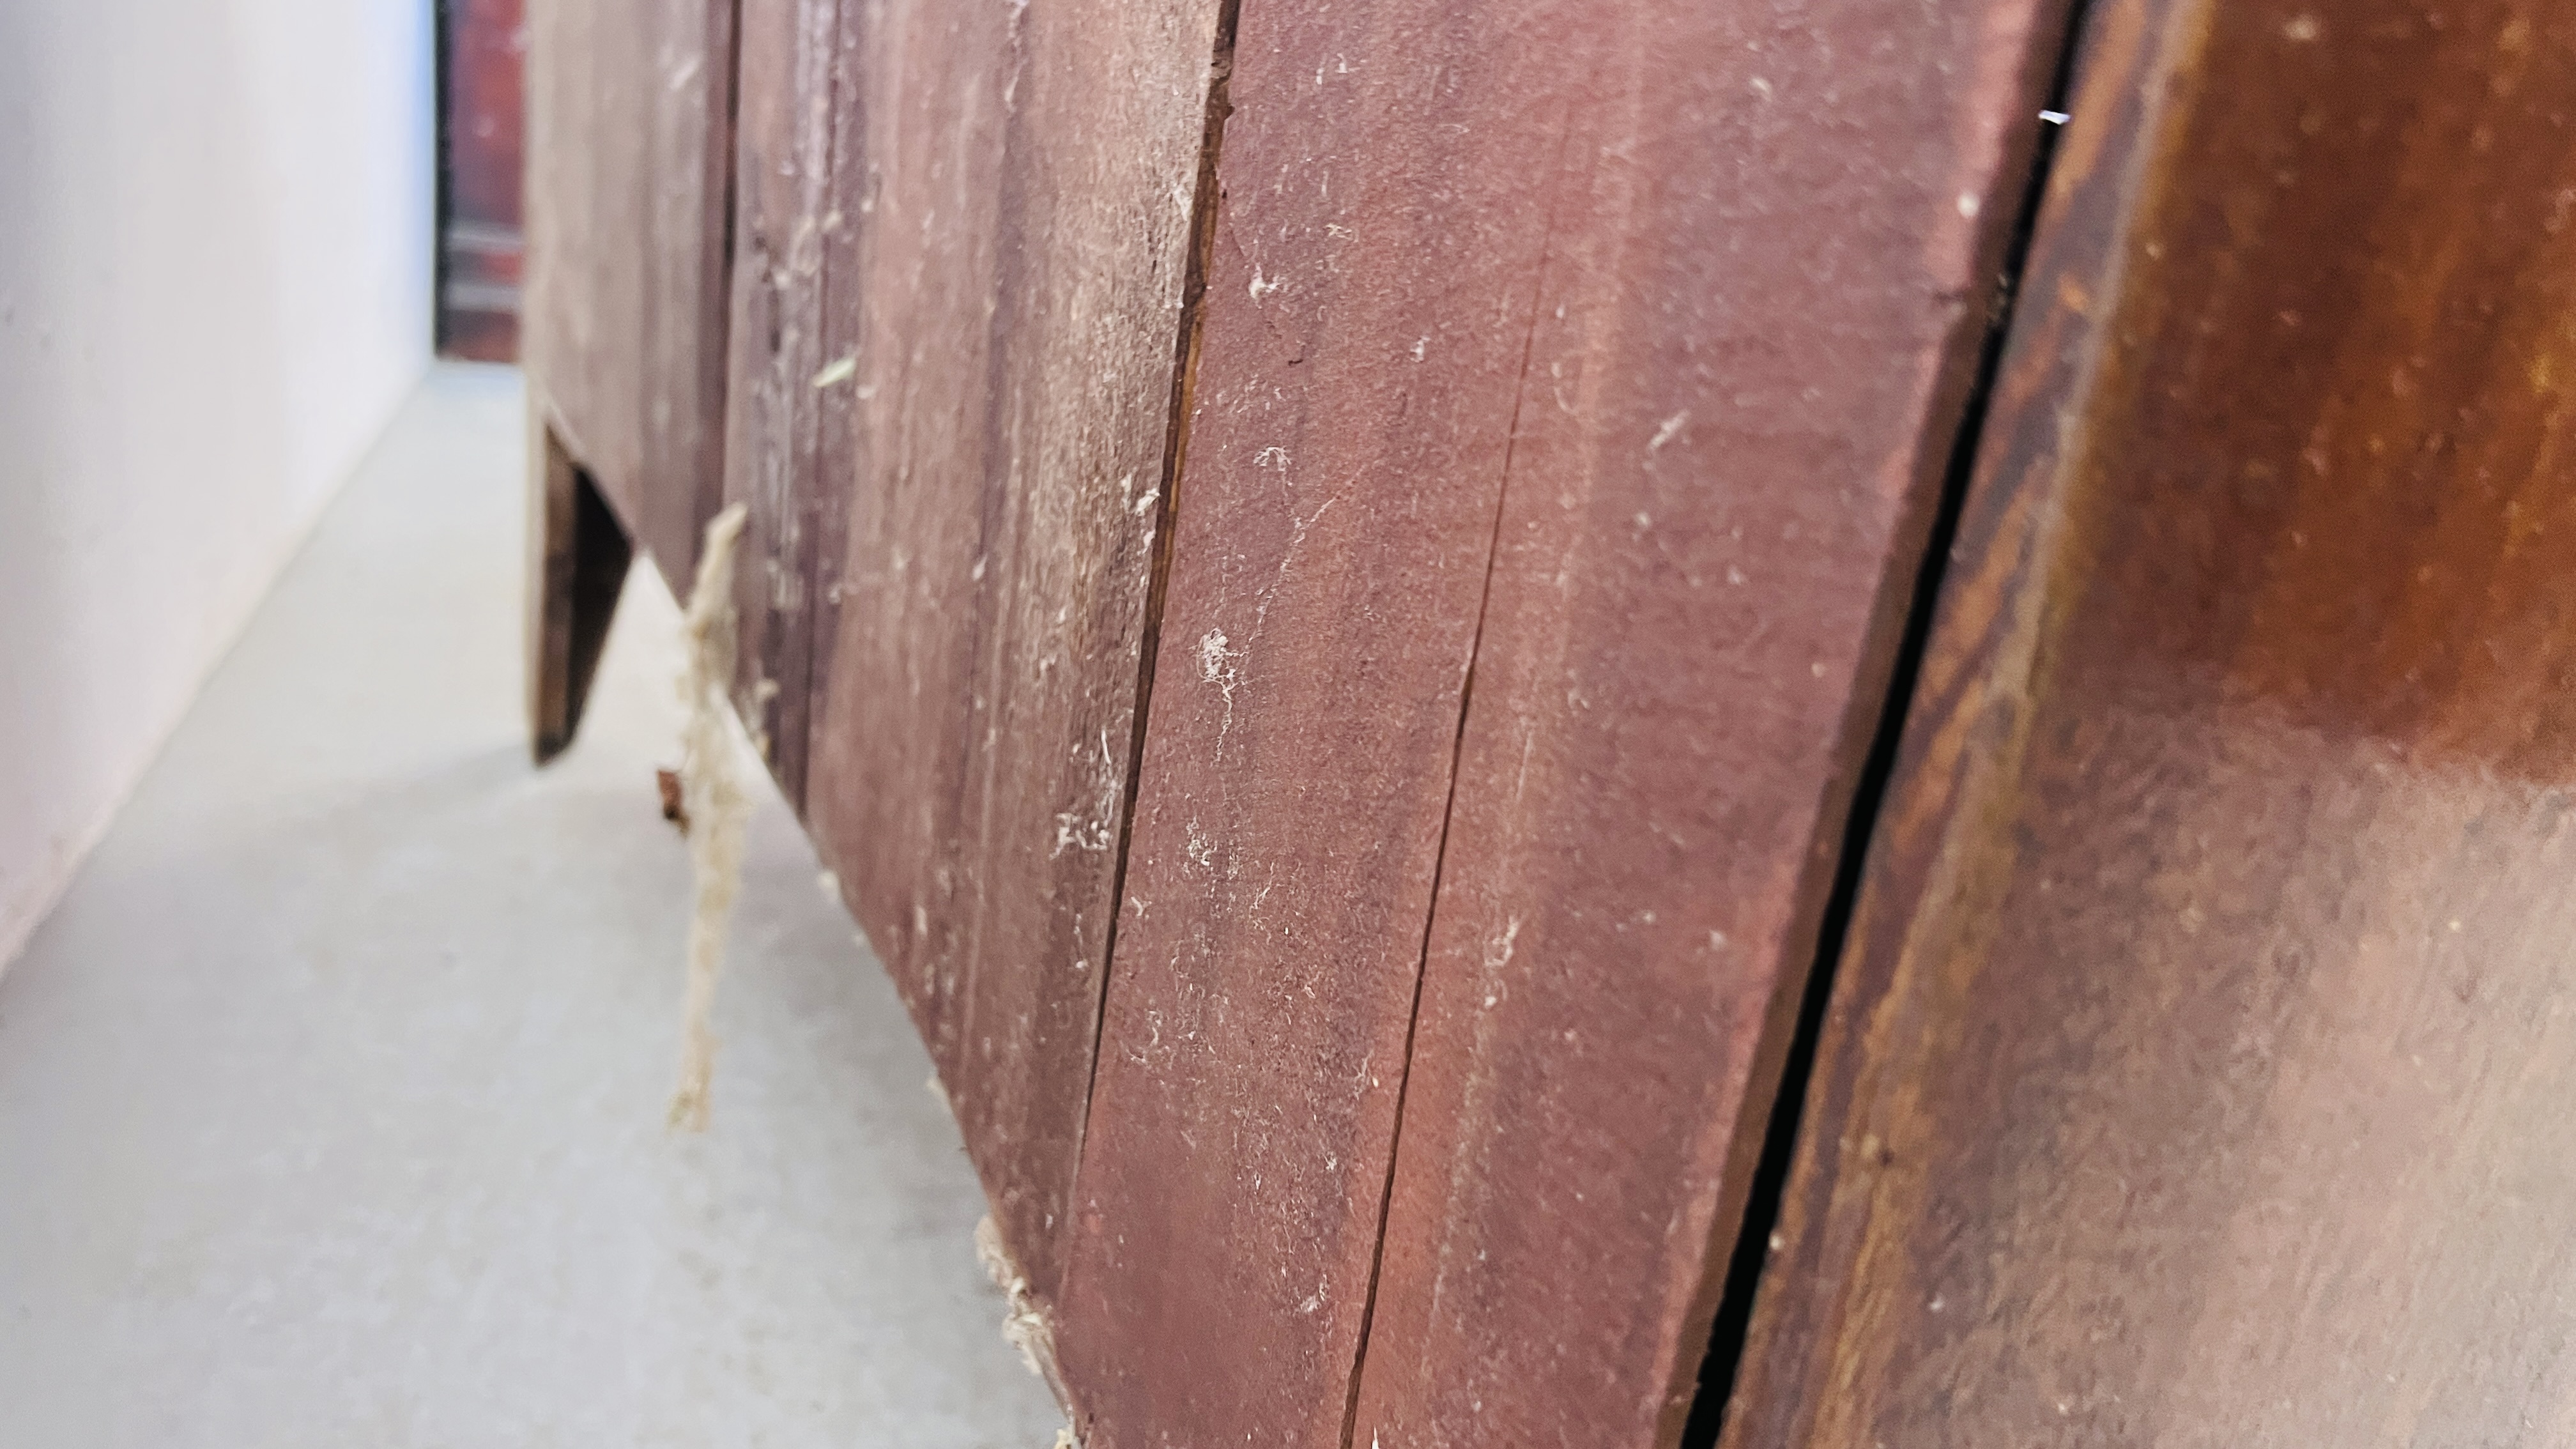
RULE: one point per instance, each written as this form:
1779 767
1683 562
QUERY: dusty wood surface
1774 240
623 336
794 121
1514 317
1352 403
2199 1074
952 440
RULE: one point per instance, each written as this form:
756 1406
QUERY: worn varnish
963 262
2199 1072
629 150
1621 356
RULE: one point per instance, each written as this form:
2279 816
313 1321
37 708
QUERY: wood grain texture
2198 1074
629 149
795 121
999 251
1360 345
1774 239
1484 317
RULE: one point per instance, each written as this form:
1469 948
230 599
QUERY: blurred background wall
215 273
483 130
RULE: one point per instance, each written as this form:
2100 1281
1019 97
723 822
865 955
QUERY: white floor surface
331 1097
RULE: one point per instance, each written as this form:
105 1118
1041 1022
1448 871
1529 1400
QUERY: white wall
215 223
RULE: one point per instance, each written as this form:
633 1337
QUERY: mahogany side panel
1775 244
959 477
629 151
1632 346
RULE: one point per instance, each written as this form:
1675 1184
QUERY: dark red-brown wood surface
965 232
483 129
1620 354
2200 1070
787 440
1347 429
1774 235
629 151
